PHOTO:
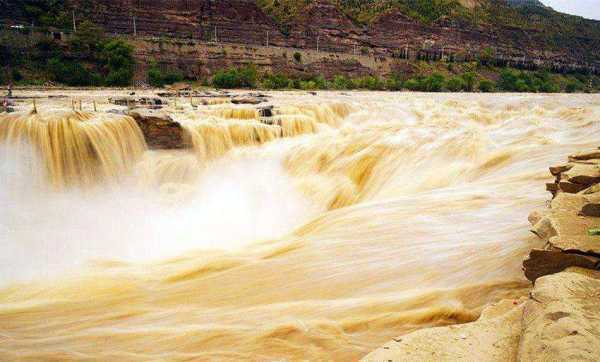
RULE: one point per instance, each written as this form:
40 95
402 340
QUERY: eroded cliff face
390 36
323 25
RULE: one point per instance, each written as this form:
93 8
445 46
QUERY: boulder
266 112
583 174
160 131
571 188
592 210
557 170
545 262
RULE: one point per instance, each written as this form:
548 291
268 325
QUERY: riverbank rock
159 129
582 172
574 210
493 337
561 322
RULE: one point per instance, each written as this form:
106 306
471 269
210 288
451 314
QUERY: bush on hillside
469 79
455 84
236 78
276 81
118 63
72 73
574 86
486 86
157 78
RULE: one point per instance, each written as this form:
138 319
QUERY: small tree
87 40
118 61
298 57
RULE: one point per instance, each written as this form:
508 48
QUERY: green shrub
574 86
433 83
321 82
308 85
341 82
87 40
469 81
549 87
236 78
412 84
508 80
157 78
369 82
248 76
486 86
521 86
393 83
71 73
277 81
118 62
298 57
225 79
455 84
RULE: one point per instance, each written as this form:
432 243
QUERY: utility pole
267 38
134 27
216 37
74 23
318 38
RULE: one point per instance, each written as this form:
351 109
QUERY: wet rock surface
159 129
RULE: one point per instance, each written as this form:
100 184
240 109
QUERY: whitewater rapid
350 220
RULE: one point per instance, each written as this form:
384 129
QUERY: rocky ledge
159 129
568 225
560 321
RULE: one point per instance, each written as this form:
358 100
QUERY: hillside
389 35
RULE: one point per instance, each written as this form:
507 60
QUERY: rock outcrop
573 212
159 129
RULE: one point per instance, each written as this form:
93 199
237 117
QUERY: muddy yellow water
339 223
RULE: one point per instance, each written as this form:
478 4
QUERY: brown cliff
390 35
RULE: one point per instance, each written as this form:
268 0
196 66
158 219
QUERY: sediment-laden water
341 222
